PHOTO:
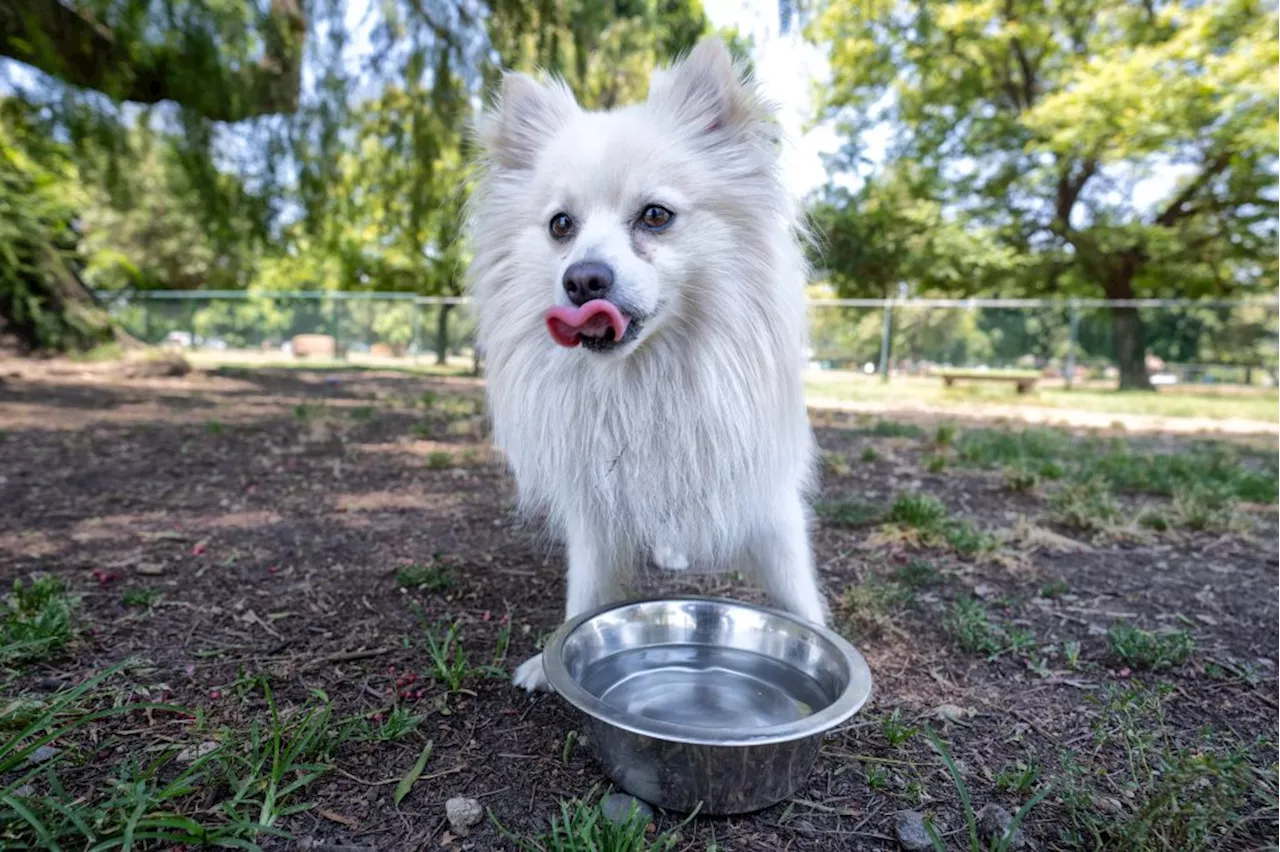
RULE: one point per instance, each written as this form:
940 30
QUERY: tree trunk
1128 340
442 335
46 307
1130 349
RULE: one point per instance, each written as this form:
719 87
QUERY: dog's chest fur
682 448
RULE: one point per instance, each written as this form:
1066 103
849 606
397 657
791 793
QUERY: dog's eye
561 226
656 217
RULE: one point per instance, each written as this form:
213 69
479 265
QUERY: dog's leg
781 561
594 579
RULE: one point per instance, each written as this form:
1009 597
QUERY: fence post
417 328
885 334
333 325
1069 371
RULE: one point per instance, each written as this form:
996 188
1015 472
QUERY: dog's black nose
587 280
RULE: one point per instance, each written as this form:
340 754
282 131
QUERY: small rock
50 684
463 813
994 823
191 754
912 836
42 753
616 807
149 569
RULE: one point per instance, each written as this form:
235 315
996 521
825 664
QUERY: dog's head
608 227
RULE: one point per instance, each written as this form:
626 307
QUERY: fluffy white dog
640 288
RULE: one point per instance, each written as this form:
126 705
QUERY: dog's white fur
691 440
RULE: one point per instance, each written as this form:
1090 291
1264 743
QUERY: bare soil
272 510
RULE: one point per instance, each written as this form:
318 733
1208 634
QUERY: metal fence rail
1186 340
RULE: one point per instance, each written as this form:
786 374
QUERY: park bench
1025 382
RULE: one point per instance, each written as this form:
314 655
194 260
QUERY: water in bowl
704 686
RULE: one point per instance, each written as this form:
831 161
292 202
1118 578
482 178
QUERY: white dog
640 288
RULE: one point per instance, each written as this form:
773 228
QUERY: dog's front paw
529 675
669 558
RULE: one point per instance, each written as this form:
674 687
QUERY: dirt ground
266 518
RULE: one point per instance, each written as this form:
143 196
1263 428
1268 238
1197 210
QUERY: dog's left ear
708 92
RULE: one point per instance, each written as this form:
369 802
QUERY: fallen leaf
334 817
953 714
414 773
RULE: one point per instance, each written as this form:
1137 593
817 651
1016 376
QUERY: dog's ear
709 93
515 128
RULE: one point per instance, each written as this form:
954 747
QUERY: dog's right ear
515 128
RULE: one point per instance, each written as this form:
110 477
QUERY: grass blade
32 820
971 820
414 773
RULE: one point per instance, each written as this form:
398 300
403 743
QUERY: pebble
912 836
42 753
617 806
192 753
463 813
994 822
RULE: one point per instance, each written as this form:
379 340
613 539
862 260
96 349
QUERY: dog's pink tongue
594 319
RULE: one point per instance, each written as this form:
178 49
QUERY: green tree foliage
42 302
1021 130
295 145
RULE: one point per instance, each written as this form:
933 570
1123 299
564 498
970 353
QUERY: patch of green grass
1029 448
893 429
935 463
1055 588
35 620
362 412
917 574
921 511
428 399
393 726
928 515
1086 505
869 454
1020 478
896 732
431 576
966 539
1155 519
977 632
450 665
581 826
1169 792
99 354
1146 649
835 464
1207 509
236 788
1018 777
867 607
140 596
944 435
847 512
438 460
212 427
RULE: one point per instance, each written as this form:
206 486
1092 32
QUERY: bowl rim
849 702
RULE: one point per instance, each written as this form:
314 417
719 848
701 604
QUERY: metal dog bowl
698 701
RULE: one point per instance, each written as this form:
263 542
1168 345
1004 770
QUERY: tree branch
1179 208
1069 188
69 44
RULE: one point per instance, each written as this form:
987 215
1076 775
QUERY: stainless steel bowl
700 701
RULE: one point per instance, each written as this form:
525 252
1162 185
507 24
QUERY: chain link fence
1071 341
